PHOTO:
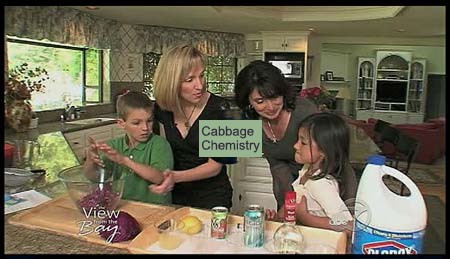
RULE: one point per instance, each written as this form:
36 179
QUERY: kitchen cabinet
288 42
254 49
78 140
252 184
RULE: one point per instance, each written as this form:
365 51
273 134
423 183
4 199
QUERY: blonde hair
172 69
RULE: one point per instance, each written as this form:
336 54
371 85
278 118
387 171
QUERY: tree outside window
68 69
220 73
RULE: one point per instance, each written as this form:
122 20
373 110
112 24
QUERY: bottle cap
376 159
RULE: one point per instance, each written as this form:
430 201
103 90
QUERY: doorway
435 103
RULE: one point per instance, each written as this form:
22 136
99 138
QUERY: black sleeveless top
206 193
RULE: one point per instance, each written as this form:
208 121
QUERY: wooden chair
405 150
379 126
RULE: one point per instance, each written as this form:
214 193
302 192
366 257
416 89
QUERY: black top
206 193
280 155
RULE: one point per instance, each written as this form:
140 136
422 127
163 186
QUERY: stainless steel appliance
291 64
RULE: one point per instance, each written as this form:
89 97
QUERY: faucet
69 113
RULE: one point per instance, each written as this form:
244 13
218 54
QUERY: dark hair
332 136
267 80
132 100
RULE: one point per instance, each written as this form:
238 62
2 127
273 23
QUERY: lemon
190 225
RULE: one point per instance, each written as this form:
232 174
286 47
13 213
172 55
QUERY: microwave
290 69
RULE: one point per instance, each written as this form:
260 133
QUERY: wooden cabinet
365 83
252 184
117 132
254 48
398 91
392 74
289 42
417 87
78 140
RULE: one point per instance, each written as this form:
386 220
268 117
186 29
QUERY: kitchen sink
90 121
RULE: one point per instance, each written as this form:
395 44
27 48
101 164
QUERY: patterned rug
427 176
418 175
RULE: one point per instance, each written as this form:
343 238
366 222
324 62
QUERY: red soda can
289 207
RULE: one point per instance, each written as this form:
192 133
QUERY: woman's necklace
187 123
274 138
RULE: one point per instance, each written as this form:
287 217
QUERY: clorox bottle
385 222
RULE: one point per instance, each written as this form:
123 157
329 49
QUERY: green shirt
155 152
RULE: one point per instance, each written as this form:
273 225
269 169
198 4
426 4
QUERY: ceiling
356 21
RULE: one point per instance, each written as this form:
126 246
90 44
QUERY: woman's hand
166 186
112 154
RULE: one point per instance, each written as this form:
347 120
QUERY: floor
434 189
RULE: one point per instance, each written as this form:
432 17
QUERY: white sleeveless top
322 196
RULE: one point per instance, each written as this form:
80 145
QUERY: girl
327 179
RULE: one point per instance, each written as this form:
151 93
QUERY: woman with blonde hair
181 101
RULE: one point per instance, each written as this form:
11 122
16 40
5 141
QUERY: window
151 61
75 73
220 73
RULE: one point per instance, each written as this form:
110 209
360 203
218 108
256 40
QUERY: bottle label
369 240
289 207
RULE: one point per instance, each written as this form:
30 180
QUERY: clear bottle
288 239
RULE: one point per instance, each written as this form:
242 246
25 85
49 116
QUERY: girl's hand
301 207
166 186
111 153
271 215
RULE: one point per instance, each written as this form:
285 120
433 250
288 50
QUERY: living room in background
75 73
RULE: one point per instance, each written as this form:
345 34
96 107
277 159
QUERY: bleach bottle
385 222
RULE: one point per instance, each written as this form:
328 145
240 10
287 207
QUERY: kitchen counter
19 240
49 127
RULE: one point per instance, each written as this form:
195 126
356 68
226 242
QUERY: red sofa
430 135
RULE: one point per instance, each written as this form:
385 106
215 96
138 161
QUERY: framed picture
329 75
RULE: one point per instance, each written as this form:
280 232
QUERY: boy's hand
166 186
92 153
111 153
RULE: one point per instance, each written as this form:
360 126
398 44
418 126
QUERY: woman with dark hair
261 92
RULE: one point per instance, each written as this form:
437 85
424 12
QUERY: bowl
92 193
15 177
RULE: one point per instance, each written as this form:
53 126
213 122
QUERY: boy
139 157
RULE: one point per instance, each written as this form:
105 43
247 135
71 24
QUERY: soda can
219 222
254 220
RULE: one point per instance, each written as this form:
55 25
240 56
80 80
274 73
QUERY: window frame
84 70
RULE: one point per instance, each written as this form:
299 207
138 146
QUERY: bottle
288 239
289 207
385 222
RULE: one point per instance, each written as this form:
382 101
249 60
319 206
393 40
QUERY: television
391 91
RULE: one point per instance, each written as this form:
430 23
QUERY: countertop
49 127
